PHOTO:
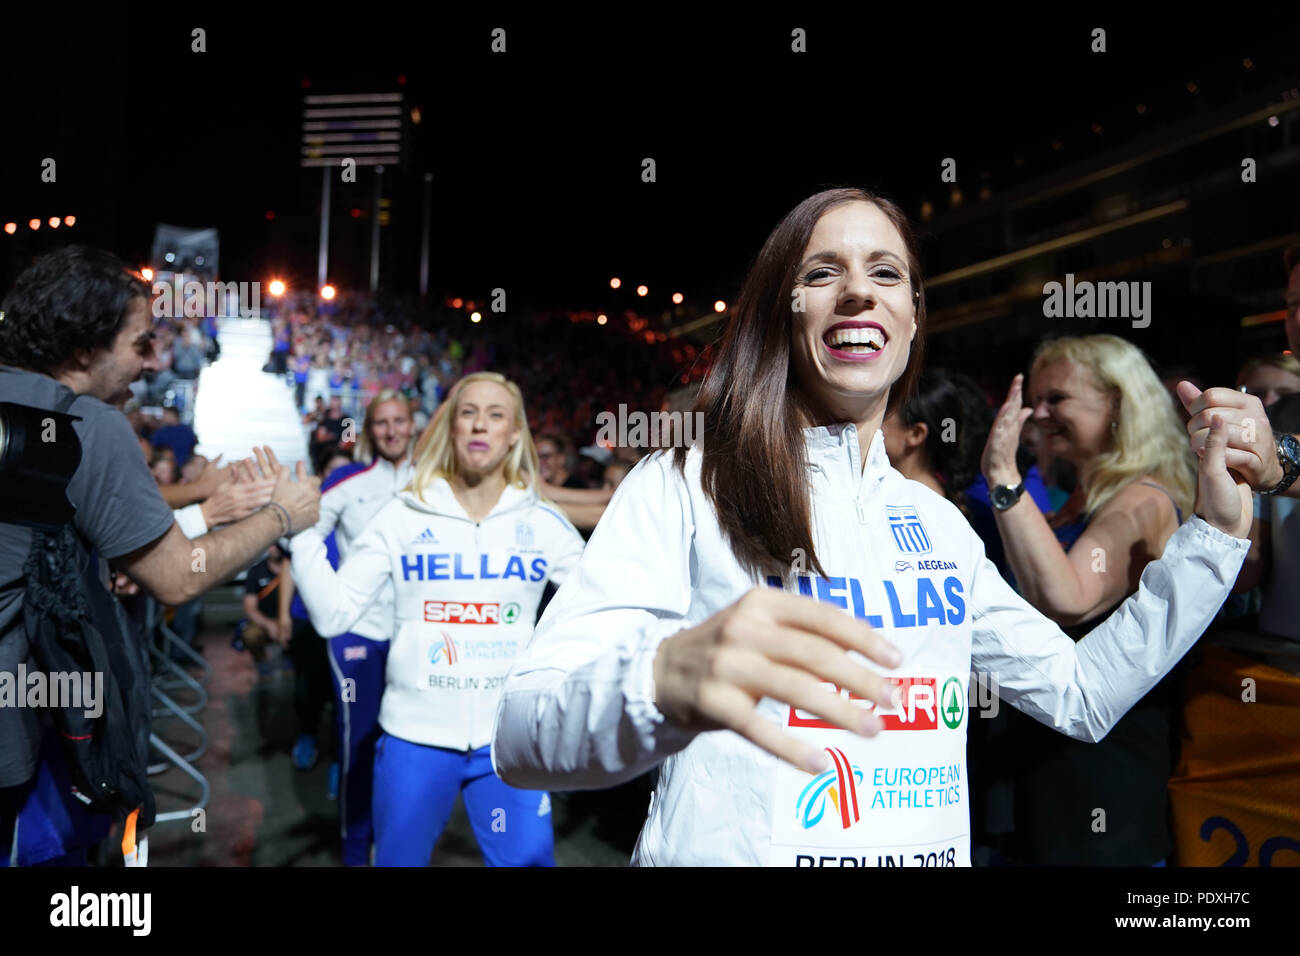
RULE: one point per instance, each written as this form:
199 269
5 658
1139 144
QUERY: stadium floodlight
55 222
69 220
11 227
642 290
719 306
34 223
327 292
476 317
615 282
677 298
277 287
601 319
147 274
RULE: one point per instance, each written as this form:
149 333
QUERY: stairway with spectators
239 406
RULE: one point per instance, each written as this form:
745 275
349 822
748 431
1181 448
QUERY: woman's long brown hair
754 452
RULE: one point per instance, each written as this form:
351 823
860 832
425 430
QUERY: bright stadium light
69 220
615 282
327 292
34 223
719 306
642 290
55 222
677 298
11 227
601 320
147 274
476 317
277 287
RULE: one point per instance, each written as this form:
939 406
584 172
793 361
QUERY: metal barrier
162 642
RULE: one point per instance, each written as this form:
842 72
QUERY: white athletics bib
897 799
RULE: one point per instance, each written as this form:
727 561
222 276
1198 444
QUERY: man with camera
79 319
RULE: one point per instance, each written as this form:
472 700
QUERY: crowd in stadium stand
569 368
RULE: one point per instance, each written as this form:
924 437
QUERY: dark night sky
536 153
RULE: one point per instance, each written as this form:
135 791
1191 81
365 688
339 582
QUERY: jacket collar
439 499
838 445
380 463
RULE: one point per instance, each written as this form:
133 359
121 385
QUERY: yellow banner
1235 796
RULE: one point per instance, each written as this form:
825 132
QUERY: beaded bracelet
283 516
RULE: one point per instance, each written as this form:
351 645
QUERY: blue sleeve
339 473
332 550
1037 489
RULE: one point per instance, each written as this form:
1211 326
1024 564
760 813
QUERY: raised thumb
1188 393
1216 443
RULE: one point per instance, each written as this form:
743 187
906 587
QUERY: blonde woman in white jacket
677 642
469 547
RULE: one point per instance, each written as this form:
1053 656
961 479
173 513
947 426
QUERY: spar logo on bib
838 785
952 703
925 705
463 612
444 651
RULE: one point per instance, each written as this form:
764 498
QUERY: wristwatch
1288 455
1003 497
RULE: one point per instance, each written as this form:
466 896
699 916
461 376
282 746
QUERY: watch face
1002 496
1289 450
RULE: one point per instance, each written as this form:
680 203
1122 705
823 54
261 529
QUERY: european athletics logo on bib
446 649
840 785
909 533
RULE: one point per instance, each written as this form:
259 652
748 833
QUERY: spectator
176 435
1276 537
935 437
330 430
1099 405
1270 377
261 606
301 364
556 460
78 320
189 353
318 374
163 467
317 413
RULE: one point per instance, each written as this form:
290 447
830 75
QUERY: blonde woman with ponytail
469 547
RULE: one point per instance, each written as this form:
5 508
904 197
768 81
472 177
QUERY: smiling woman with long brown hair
677 641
